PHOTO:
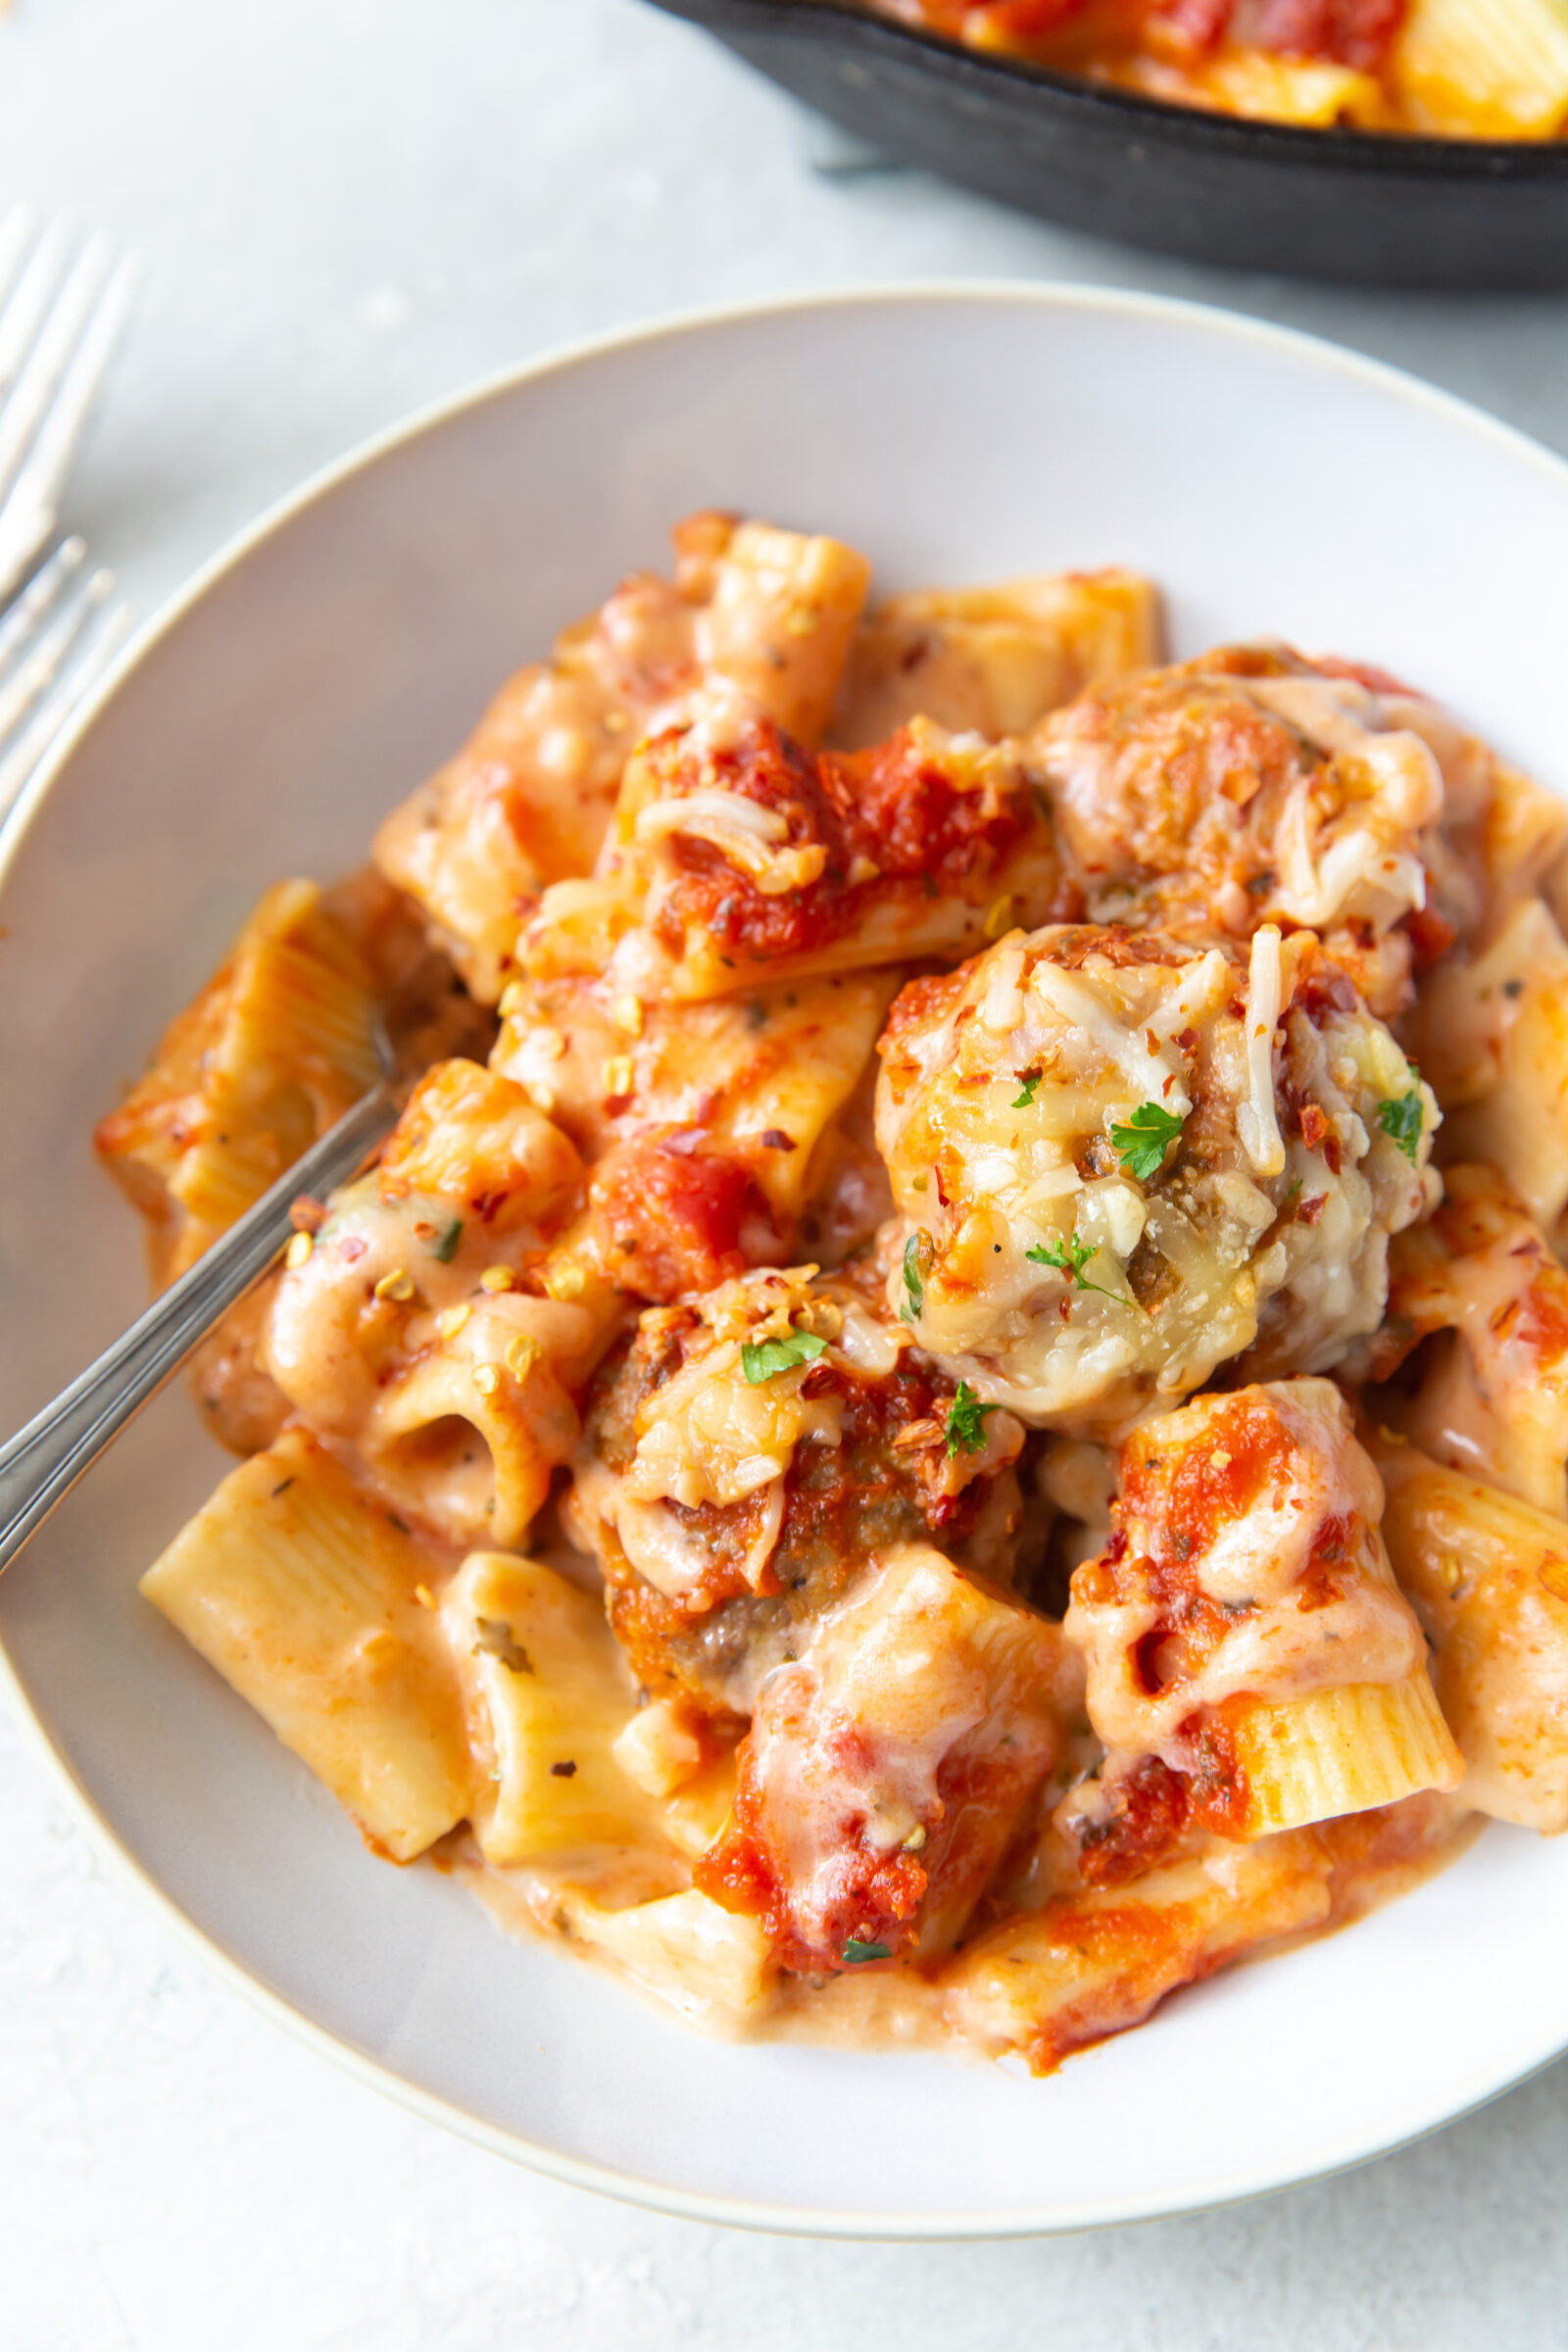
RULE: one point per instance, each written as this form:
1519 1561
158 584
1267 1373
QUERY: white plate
310 680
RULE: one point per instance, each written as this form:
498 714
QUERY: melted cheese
916 1668
747 833
1009 1188
720 1437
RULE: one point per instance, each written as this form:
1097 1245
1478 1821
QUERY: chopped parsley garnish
967 1421
916 1258
1140 1144
854 1951
762 1358
1402 1117
444 1246
1026 1091
1070 1258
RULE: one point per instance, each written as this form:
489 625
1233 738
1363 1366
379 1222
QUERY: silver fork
55 638
60 315
62 311
42 1462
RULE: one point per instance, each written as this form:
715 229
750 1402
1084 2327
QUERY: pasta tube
755 622
1484 69
1492 1396
305 1595
995 659
1487 1574
550 1693
1339 1751
1087 1965
1251 1661
277 1047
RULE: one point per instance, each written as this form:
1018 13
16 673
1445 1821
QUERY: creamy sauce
1086 1994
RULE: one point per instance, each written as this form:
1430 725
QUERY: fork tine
15 235
35 672
54 381
26 612
24 530
74 651
43 477
22 616
17 765
29 302
62 310
45 364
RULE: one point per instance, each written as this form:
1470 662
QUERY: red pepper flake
350 1248
307 1214
1429 934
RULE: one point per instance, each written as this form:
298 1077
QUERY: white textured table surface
349 209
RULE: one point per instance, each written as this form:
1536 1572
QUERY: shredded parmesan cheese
741 830
1256 1120
1136 1053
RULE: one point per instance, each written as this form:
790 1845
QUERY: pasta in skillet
947 1408
1458 68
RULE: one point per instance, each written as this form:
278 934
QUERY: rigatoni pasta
948 1405
309 1597
1462 69
1489 1576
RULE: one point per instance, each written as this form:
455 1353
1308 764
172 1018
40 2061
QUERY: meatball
1249 787
751 1449
1122 1158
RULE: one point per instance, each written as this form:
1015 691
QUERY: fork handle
43 1461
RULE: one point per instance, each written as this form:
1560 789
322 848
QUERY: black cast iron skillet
1336 204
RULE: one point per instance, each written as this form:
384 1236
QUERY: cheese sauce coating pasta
947 1408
